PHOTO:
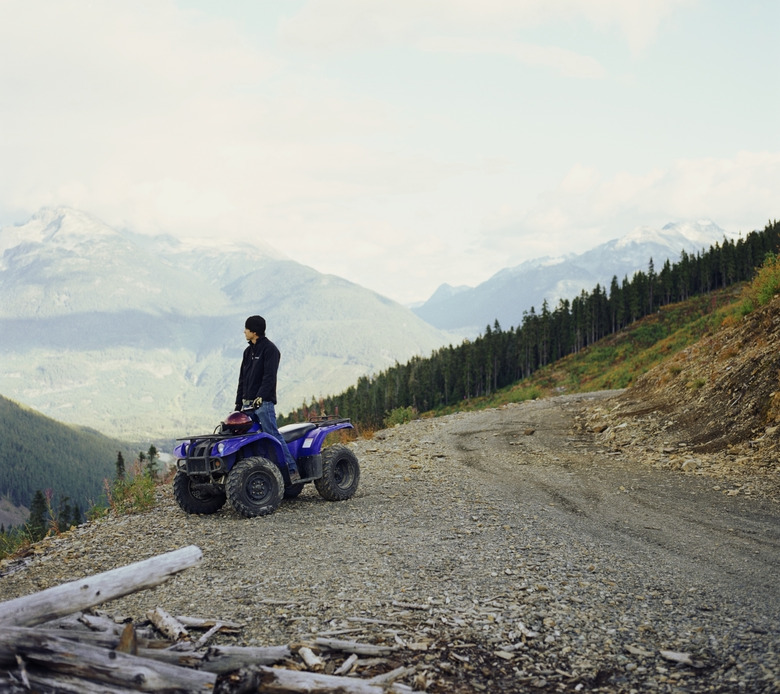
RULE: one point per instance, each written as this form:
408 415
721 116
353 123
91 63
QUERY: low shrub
764 286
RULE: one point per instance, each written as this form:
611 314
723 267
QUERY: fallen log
95 664
87 592
221 660
166 624
280 681
200 623
45 645
312 660
218 658
347 665
355 647
62 684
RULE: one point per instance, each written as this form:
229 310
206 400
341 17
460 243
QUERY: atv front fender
256 442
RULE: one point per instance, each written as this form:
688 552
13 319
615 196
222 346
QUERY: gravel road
503 550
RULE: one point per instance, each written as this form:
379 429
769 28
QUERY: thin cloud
565 62
339 25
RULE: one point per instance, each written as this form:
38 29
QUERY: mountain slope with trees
500 358
40 455
141 337
506 294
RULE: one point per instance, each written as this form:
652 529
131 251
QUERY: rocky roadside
511 550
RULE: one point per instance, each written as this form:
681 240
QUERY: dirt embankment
713 408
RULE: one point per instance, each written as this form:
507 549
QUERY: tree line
500 357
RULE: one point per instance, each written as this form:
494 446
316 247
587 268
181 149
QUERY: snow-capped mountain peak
699 234
513 290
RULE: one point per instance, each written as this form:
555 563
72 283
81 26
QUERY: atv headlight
221 448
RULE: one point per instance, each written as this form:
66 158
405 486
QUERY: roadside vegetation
131 491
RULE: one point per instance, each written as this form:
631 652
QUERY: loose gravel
504 550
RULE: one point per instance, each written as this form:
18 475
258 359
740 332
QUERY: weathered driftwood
46 645
62 684
166 624
94 590
346 667
387 677
312 660
281 681
355 647
99 640
102 665
224 659
200 623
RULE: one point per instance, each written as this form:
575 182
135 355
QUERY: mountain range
511 291
140 337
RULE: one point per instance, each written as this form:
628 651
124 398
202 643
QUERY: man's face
250 336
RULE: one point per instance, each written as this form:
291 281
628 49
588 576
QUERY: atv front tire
255 487
194 498
340 474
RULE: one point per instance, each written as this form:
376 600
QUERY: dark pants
266 416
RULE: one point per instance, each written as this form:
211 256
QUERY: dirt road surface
506 550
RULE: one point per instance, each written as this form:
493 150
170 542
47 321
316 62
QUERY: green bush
764 286
126 496
400 415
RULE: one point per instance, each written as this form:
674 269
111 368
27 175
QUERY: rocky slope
712 409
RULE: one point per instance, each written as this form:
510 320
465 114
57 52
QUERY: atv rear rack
328 419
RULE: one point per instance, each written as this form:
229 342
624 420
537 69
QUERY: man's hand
257 402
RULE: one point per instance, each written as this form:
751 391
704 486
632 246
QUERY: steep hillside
725 390
712 408
37 453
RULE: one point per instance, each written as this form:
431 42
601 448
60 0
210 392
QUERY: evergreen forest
500 357
39 455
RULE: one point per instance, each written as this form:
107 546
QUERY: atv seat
293 432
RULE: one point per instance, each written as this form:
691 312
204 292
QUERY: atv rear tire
255 487
193 499
340 474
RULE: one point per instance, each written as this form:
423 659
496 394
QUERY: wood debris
56 641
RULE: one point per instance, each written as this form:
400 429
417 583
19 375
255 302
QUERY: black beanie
256 324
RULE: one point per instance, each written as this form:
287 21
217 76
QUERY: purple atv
240 463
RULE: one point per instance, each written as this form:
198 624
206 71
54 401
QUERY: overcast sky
399 144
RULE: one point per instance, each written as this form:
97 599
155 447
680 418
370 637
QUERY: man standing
257 384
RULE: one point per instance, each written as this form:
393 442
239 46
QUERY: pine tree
37 522
64 515
151 462
120 466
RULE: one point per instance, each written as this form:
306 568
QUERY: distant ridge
516 289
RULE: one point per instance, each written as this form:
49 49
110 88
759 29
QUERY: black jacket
257 378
